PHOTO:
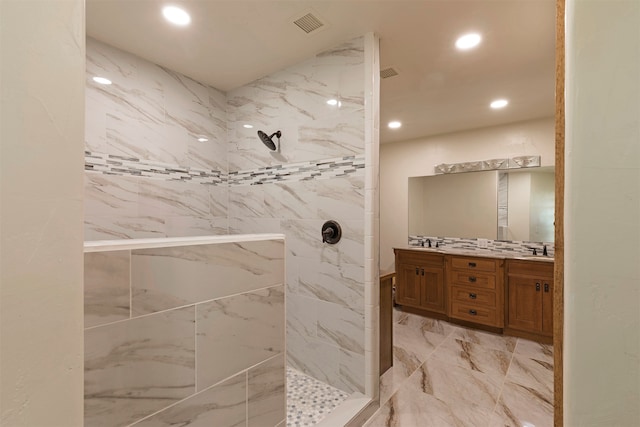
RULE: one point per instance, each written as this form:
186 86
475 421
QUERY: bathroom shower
268 140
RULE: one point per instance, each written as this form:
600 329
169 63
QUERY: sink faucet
535 252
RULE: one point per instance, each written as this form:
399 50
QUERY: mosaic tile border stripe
111 164
511 247
318 169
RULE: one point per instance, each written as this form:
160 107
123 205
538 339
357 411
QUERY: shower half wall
185 331
148 176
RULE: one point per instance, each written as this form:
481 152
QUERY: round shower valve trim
331 232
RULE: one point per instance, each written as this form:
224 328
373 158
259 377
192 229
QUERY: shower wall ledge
165 242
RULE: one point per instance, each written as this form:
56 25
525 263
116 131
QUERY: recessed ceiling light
394 125
202 139
102 80
499 103
468 41
176 15
247 126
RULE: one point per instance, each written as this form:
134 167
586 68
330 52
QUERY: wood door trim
558 295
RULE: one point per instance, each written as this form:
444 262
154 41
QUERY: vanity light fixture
247 126
176 15
394 125
202 139
334 103
102 80
499 103
468 41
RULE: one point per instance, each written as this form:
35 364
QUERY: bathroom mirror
514 204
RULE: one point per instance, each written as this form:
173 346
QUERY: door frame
558 295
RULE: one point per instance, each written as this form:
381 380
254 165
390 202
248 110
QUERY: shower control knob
331 232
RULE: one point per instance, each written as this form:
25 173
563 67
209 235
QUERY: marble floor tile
535 350
408 408
474 356
486 339
417 341
436 326
456 385
523 406
470 378
411 347
532 373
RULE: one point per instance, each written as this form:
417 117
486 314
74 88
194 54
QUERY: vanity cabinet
530 299
476 290
420 280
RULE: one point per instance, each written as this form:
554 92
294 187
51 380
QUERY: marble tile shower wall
325 283
185 335
145 167
147 176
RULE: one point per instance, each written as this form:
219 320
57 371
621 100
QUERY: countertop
479 253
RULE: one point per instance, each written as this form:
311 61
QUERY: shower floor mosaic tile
309 400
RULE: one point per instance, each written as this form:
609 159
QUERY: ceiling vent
388 72
308 23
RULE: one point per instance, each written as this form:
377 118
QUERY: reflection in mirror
515 205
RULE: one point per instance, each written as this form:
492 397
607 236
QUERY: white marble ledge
165 242
479 253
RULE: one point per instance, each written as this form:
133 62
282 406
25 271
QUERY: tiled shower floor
309 400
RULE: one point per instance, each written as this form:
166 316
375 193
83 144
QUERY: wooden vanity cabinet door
408 285
432 294
525 303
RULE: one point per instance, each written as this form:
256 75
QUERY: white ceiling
438 90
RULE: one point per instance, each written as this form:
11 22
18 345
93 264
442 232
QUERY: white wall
41 166
602 214
399 161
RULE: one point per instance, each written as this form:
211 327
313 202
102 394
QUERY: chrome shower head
268 140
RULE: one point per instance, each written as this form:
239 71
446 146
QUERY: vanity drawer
475 297
485 316
487 281
473 264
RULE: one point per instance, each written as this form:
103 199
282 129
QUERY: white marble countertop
482 253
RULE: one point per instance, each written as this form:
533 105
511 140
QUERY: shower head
268 140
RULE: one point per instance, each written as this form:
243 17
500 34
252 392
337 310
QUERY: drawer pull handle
472 279
473 296
417 271
472 264
546 287
423 271
537 287
473 312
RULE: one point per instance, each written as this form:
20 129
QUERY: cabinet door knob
537 287
472 264
423 271
473 312
472 279
546 287
473 296
417 271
